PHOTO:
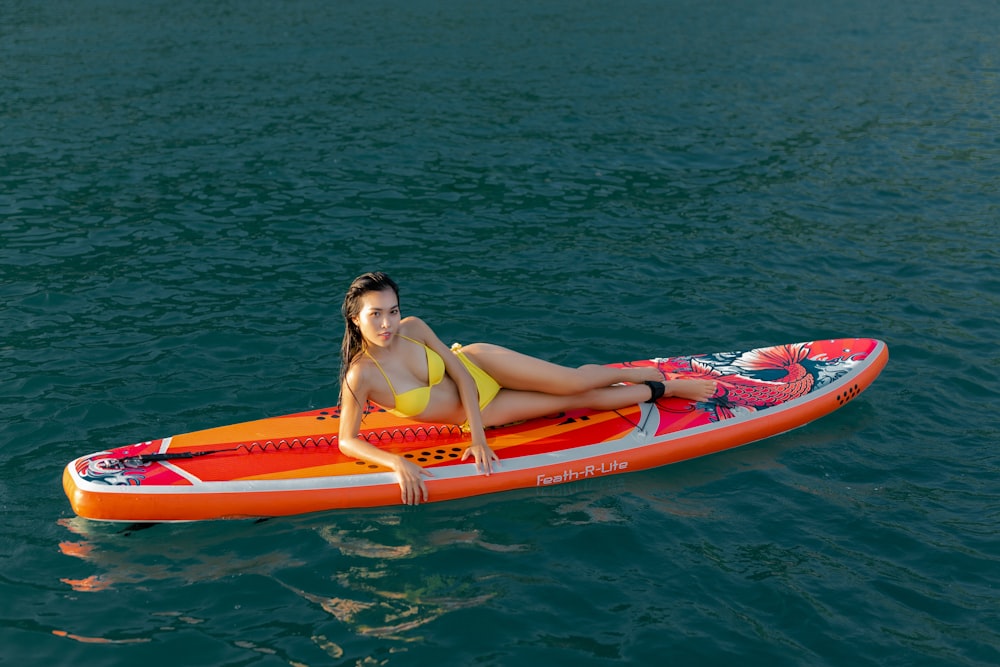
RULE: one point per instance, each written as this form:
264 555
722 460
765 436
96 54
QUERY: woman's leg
512 406
513 370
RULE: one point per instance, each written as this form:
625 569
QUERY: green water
186 189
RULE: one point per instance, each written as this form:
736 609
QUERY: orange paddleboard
292 464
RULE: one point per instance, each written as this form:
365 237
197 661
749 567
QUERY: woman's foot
642 374
691 389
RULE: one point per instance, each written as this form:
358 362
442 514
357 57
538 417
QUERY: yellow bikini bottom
485 383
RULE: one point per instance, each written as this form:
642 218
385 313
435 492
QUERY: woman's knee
577 380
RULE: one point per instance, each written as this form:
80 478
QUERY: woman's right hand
486 459
411 481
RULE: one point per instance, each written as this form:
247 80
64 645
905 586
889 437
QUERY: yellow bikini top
411 403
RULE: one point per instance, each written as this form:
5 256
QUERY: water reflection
387 577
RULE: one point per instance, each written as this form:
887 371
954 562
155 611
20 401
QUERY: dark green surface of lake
187 188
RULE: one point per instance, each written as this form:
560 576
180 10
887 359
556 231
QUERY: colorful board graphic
292 465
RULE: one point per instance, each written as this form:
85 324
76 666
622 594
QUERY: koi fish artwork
762 378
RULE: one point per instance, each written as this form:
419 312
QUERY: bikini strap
379 367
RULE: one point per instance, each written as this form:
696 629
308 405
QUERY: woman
402 365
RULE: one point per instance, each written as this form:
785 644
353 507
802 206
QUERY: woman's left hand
486 459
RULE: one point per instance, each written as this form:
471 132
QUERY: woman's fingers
486 461
412 488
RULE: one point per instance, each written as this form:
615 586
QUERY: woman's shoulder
414 327
359 372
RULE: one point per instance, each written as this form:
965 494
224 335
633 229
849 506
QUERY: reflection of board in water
379 586
292 465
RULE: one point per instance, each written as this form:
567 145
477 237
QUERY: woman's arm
486 459
354 394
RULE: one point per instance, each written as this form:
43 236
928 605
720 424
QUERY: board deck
292 465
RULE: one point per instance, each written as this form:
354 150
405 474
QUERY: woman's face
378 319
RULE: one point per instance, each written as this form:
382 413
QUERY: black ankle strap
657 389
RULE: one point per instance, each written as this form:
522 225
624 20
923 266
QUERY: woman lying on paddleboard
401 365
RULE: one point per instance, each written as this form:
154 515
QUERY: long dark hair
354 345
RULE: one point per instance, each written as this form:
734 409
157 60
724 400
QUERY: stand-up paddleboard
292 464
